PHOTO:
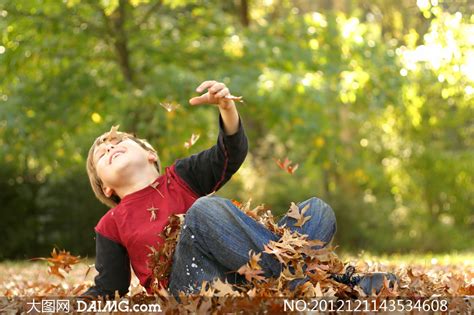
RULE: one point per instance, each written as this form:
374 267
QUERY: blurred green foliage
373 99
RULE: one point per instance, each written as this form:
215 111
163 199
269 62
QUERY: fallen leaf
251 274
252 269
295 213
224 288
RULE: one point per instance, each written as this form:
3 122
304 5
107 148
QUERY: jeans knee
318 207
199 210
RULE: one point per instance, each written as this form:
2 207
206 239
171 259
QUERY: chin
127 168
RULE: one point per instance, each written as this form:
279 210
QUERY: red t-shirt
130 222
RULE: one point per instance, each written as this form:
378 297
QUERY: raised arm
113 265
210 169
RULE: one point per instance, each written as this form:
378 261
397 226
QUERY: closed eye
100 154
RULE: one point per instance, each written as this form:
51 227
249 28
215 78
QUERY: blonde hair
96 182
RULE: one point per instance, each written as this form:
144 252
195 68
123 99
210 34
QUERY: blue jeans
216 238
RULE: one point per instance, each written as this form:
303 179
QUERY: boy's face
116 162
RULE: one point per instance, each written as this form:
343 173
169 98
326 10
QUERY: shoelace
348 277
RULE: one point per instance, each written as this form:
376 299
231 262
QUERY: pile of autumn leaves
293 251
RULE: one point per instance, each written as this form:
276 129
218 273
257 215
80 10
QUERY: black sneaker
367 282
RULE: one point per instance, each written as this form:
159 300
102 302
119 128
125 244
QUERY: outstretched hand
217 93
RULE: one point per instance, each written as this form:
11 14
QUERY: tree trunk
244 13
121 42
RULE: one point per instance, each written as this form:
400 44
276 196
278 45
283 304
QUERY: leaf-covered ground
432 272
420 277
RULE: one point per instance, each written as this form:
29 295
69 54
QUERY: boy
216 237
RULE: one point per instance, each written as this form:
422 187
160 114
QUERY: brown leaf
250 273
113 135
224 288
60 261
277 252
254 259
206 290
286 166
252 269
295 213
234 98
298 273
318 291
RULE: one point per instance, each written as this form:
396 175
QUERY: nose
109 146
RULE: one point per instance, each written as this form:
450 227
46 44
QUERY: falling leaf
170 106
60 261
191 141
286 166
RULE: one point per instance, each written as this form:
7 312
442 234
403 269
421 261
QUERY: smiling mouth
116 154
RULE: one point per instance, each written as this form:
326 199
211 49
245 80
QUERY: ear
152 157
108 192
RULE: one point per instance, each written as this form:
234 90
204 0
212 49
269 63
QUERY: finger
222 93
203 99
216 87
204 85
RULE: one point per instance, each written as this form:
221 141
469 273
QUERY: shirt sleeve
208 170
113 265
